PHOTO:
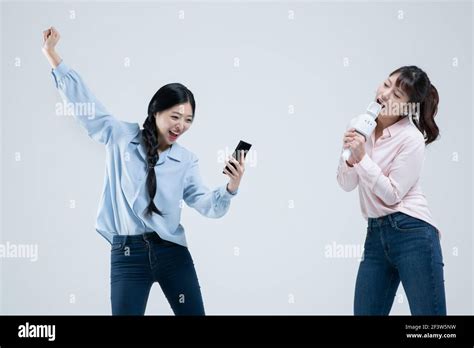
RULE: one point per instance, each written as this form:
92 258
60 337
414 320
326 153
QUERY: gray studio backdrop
284 76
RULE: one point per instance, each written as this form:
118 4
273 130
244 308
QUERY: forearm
212 204
393 186
232 188
53 57
347 177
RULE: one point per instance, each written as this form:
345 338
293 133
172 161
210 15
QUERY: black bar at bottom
411 330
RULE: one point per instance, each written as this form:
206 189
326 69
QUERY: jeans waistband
384 220
137 238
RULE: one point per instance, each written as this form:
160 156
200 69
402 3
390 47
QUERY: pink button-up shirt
388 175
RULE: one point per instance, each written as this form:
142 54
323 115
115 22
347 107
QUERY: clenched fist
50 39
355 142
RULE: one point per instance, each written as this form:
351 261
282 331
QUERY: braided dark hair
418 87
166 97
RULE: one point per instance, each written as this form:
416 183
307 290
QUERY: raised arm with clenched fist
50 39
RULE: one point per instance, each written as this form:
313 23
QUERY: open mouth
173 134
381 102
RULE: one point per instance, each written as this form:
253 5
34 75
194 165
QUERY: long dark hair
166 97
418 87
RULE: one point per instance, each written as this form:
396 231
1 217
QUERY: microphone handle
346 154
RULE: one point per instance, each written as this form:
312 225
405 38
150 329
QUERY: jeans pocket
407 223
116 246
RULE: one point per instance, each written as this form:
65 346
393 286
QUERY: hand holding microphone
361 128
354 142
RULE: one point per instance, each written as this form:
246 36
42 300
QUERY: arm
404 172
53 58
87 110
347 177
213 204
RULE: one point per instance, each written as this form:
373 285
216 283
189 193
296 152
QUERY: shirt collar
175 152
397 127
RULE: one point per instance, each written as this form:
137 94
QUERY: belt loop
373 223
146 239
390 218
125 240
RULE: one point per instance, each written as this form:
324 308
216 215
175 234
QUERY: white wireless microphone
364 124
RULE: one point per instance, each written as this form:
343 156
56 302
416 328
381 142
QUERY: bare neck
385 121
163 145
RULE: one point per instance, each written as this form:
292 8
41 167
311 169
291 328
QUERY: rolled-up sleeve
403 174
211 203
87 110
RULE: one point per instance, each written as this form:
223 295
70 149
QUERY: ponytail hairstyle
166 97
417 86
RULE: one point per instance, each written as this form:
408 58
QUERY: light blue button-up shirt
124 196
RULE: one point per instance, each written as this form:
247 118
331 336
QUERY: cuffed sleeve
347 177
211 203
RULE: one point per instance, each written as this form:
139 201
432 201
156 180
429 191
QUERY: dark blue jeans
139 261
402 248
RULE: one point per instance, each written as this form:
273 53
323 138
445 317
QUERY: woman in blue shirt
148 176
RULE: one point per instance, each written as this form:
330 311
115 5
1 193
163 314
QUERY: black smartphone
241 146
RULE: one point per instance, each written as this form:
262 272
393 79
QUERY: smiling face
392 97
173 122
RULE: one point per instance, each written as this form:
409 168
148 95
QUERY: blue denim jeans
140 260
402 248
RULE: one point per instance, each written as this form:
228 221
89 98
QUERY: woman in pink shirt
403 240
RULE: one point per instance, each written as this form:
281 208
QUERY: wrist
53 57
48 50
358 160
231 189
